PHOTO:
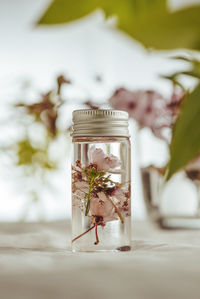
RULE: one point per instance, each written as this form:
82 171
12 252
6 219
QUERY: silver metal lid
104 122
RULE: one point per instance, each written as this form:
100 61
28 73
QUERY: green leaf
148 21
64 11
166 30
186 136
174 79
192 73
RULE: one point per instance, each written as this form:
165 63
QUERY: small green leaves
93 172
186 136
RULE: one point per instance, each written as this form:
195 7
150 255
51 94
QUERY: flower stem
89 196
96 234
116 210
84 233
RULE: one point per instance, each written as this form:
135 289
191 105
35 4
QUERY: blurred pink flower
101 206
193 170
149 108
144 106
174 105
194 164
104 162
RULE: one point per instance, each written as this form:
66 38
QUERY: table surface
36 262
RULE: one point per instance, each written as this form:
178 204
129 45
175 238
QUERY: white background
80 50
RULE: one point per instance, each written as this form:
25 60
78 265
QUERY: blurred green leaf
29 156
25 152
183 58
63 11
174 79
192 71
186 136
148 21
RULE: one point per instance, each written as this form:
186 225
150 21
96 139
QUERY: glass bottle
101 167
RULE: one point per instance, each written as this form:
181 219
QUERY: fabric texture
36 262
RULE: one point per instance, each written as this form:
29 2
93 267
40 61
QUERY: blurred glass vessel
174 204
101 195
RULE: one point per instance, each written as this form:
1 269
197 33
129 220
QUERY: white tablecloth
36 262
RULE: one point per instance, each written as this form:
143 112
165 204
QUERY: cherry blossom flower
82 185
118 194
104 162
101 206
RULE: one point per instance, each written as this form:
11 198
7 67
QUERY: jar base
121 248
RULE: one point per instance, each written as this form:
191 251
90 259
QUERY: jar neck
99 139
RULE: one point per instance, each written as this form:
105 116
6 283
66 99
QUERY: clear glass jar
101 195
